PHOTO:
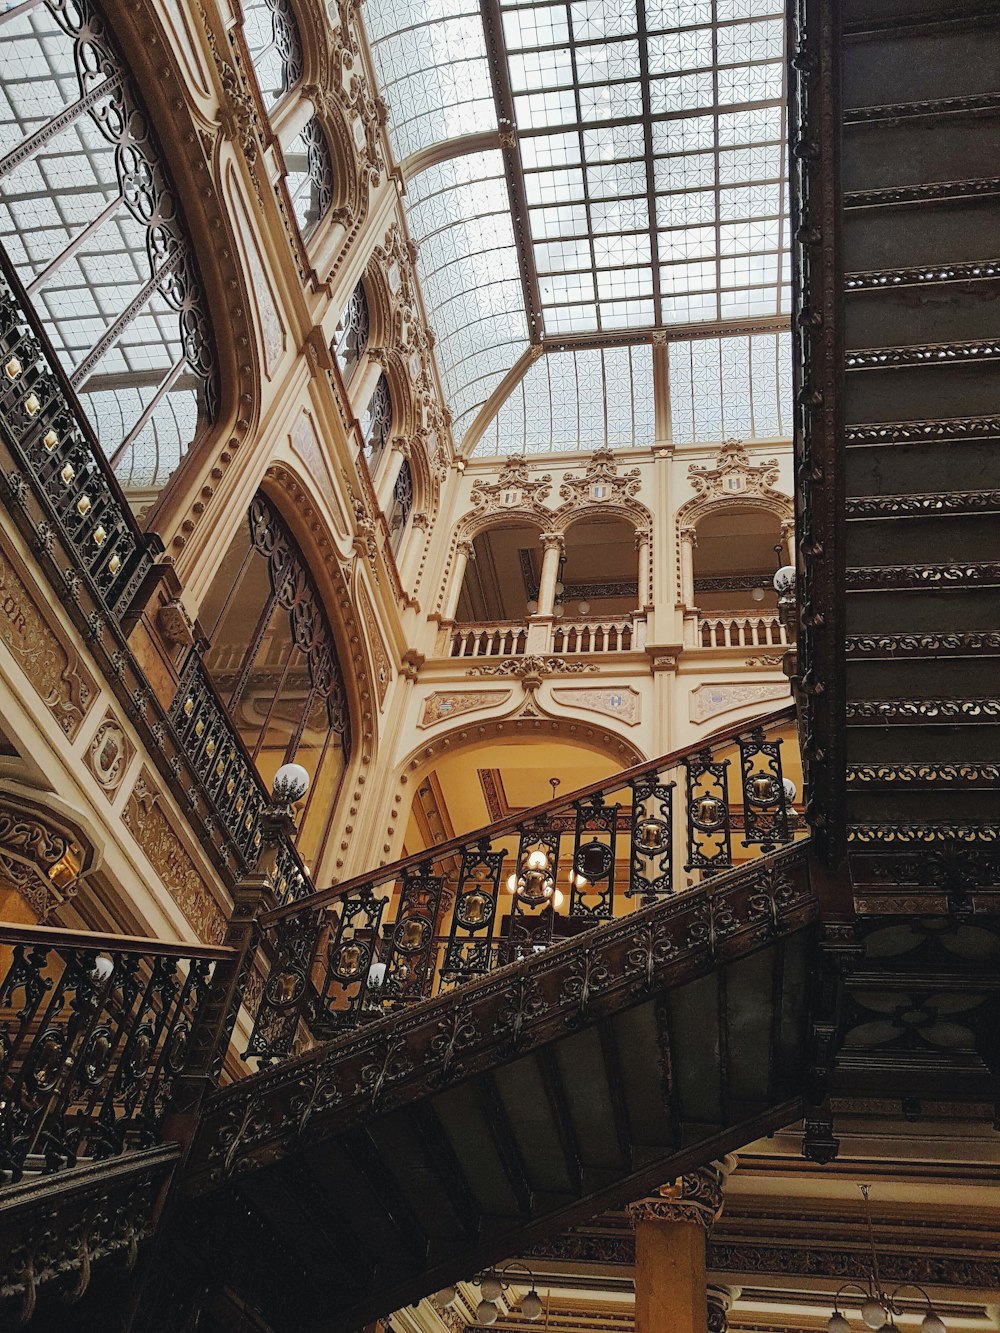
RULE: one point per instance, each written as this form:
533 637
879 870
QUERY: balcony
511 638
737 629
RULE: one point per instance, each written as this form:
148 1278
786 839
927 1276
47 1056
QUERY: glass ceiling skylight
726 387
459 215
649 162
431 60
595 398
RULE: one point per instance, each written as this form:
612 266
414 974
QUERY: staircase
897 113
464 1087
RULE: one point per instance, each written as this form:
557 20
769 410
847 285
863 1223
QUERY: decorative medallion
443 704
709 700
380 658
109 754
620 701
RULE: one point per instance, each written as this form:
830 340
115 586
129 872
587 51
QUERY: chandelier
492 1284
879 1307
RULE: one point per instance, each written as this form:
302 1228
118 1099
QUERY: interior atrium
499 727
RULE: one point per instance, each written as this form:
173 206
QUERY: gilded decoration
42 855
55 670
444 704
710 700
696 1197
109 754
146 819
620 701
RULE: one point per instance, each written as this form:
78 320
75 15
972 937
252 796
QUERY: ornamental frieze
54 668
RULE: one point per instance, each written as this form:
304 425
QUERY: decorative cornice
696 1197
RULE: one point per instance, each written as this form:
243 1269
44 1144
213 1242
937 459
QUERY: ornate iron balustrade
232 785
432 921
94 1033
60 459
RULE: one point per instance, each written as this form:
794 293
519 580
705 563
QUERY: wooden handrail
56 937
511 823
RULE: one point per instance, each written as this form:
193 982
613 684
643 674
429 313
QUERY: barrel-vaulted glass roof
617 170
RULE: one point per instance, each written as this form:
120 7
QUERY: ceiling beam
496 51
718 328
498 397
445 149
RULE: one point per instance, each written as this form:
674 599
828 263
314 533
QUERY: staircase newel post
671 1231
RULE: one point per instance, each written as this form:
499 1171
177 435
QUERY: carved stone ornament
734 473
175 624
620 701
41 854
55 670
146 819
446 704
514 488
710 700
600 482
109 754
696 1197
531 669
381 666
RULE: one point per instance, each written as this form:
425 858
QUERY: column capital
642 538
689 535
465 548
695 1197
551 540
719 1301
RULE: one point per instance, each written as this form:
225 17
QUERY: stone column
671 1227
463 554
552 548
391 468
788 540
642 550
689 540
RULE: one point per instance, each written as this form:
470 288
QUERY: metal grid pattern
589 399
460 217
309 176
726 387
430 56
272 38
90 221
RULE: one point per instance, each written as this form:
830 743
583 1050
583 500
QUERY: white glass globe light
584 608
491 1288
531 1306
784 580
486 1312
512 883
837 1323
872 1312
443 1298
932 1322
758 594
532 607
291 782
560 588
558 898
791 790
538 860
102 969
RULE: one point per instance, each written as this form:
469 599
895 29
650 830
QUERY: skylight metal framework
644 154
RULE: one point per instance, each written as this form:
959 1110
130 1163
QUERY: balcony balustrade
95 1031
439 918
593 635
740 629
504 639
511 638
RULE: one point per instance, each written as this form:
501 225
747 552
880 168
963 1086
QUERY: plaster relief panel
444 704
54 668
146 819
710 700
619 701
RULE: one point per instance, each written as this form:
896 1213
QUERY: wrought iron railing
448 915
60 458
94 1033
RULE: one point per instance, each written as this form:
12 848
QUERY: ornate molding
513 489
600 482
43 854
697 1197
530 669
109 754
443 705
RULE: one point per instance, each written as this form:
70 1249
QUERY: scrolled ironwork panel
765 806
345 992
652 833
408 972
533 907
469 949
592 872
708 820
286 994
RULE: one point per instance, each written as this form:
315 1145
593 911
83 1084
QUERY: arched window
376 425
310 176
272 659
92 227
352 333
272 37
401 505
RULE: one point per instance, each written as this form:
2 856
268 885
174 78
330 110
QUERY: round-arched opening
598 575
501 581
735 560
